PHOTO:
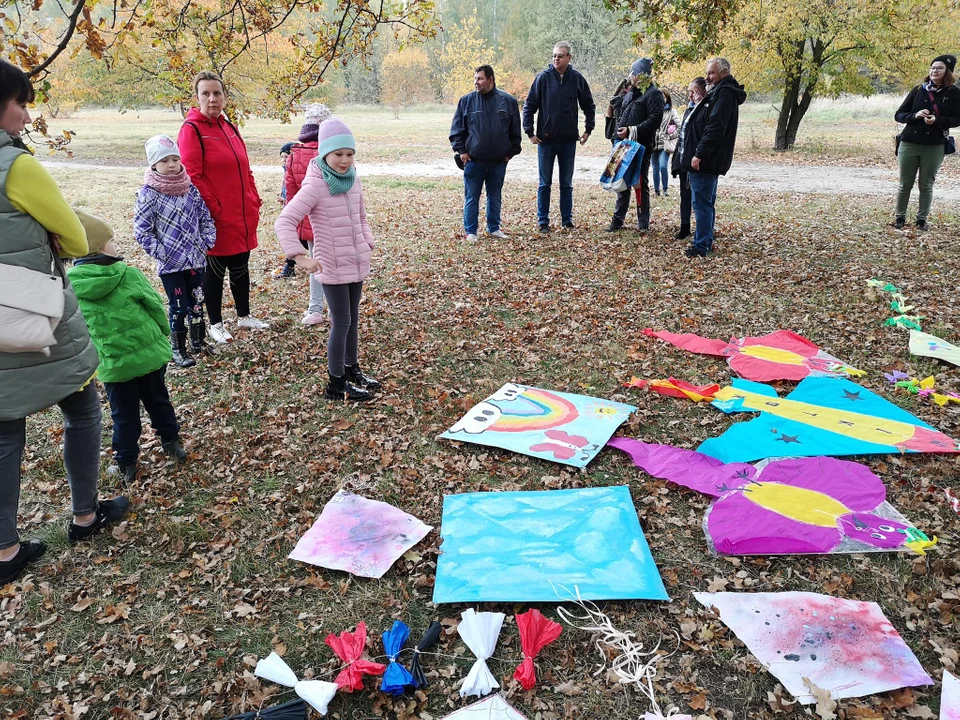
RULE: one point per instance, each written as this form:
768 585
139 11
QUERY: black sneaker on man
30 551
544 228
693 251
109 512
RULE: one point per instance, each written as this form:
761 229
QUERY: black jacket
643 112
712 130
487 126
555 98
947 111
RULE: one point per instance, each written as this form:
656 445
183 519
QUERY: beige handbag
31 307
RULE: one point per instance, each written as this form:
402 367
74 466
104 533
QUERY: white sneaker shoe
471 237
312 318
499 234
220 334
251 323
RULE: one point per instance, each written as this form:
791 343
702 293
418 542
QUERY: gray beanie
643 66
159 147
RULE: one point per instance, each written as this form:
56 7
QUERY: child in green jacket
128 324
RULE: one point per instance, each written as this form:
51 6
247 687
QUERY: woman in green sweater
36 227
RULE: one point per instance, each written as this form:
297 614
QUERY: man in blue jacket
485 134
554 97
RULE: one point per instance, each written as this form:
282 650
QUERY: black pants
125 399
184 296
623 198
685 200
217 268
344 304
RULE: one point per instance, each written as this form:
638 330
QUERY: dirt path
768 177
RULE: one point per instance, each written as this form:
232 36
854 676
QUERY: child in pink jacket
332 197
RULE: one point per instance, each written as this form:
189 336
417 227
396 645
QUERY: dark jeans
685 199
660 162
703 191
343 302
185 296
217 268
475 176
81 458
565 154
643 196
125 399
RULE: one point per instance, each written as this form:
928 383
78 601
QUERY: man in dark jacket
642 111
708 148
554 97
485 134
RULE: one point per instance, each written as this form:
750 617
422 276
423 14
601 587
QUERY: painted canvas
494 707
791 506
517 546
780 355
822 416
564 428
927 345
361 536
844 646
950 697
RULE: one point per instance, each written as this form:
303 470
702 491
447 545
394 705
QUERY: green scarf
338 183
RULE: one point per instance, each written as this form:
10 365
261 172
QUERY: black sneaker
360 378
129 472
692 251
174 450
922 225
899 223
683 233
569 226
615 225
109 512
30 551
544 228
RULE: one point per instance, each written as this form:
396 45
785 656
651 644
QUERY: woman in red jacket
216 160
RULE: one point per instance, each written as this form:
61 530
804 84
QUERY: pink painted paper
950 698
361 536
844 646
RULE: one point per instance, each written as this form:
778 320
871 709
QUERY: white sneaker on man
220 334
312 318
472 237
251 323
499 234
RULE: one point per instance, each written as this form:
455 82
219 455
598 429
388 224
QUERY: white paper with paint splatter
844 646
950 698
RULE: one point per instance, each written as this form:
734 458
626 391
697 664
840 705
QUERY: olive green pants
925 160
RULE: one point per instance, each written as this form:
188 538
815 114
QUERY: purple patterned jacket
175 230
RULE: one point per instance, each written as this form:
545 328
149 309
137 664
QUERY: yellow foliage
464 51
405 74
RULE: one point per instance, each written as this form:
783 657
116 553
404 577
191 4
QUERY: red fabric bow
349 647
536 632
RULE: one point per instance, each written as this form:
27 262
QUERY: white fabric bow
316 693
480 632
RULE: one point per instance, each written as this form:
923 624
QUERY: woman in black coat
929 111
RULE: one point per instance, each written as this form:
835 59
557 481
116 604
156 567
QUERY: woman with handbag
928 111
664 144
44 360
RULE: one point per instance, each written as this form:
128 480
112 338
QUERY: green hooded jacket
125 315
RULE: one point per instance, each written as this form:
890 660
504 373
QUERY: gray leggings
344 304
81 458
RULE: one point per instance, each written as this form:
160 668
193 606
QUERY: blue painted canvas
516 546
564 428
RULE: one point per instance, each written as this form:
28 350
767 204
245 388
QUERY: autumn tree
405 73
464 50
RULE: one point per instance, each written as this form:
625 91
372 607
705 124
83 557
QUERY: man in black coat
485 134
642 111
707 151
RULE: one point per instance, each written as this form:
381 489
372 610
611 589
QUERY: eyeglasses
560 56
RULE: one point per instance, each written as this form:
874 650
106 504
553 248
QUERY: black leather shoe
340 389
175 451
922 225
109 512
30 551
569 226
358 377
683 233
693 251
899 223
544 228
615 225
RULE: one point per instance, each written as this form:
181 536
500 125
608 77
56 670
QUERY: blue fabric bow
396 678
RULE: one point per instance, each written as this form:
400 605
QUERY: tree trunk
798 92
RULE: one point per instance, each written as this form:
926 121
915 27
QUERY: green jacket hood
94 281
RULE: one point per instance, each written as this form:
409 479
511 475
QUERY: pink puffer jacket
342 239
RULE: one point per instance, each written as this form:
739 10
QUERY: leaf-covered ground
166 618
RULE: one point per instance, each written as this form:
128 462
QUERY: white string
632 665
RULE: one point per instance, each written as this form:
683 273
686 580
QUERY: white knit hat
317 113
159 147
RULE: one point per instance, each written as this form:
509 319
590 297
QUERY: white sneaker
312 318
471 237
499 234
220 334
251 323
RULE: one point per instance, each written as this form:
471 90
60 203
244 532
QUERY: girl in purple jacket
173 225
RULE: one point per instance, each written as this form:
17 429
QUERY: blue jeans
81 458
125 399
565 153
475 176
660 162
703 193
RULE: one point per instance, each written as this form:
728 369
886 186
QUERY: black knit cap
949 60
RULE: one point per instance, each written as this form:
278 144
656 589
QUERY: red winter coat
300 156
215 158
